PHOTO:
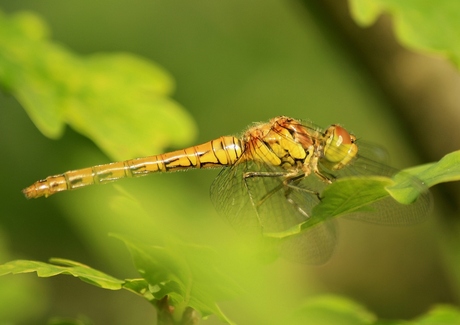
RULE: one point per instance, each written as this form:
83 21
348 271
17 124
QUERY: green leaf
376 199
347 195
78 270
120 101
356 194
330 310
185 274
139 287
353 194
424 25
62 266
445 170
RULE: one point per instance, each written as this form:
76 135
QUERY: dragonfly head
340 147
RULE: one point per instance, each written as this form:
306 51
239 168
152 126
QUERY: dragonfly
272 178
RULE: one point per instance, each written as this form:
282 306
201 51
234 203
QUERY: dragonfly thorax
279 142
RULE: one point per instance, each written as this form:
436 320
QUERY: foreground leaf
185 274
62 266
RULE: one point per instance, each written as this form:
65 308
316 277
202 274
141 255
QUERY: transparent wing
231 199
314 246
262 204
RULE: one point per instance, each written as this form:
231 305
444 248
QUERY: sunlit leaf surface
429 26
118 100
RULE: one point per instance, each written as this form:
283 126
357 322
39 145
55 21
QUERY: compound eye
340 146
341 136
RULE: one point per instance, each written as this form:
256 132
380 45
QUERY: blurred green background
234 63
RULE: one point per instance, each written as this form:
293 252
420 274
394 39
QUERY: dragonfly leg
289 184
325 178
263 174
258 203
